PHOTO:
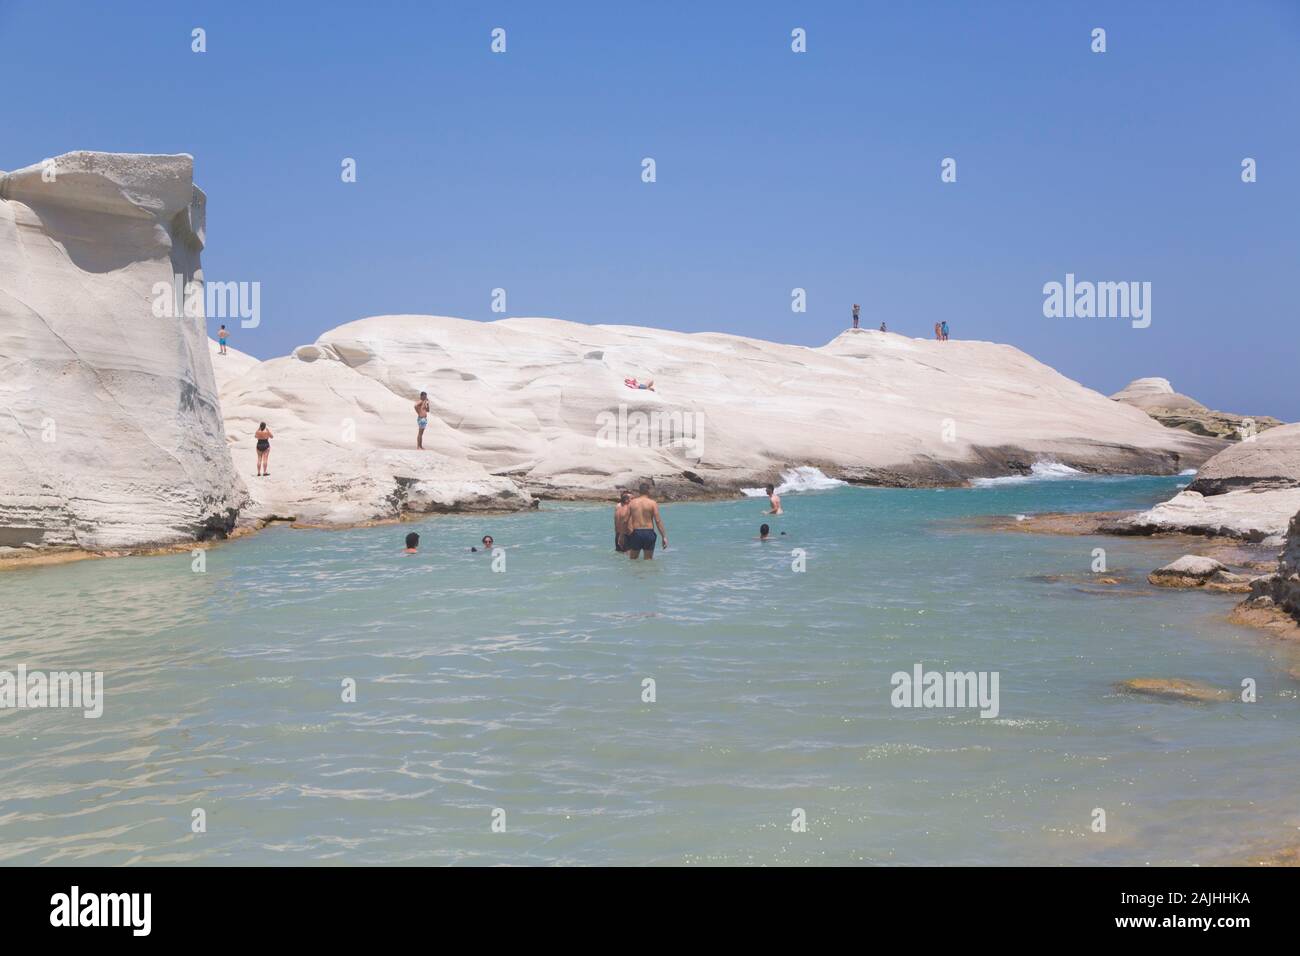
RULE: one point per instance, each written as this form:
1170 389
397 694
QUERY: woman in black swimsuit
264 437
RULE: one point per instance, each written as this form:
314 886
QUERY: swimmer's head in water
487 540
412 540
771 489
764 531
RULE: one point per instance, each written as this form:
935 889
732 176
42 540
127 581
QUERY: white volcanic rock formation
1154 393
1244 513
111 434
1249 490
541 404
343 450
1156 397
1269 461
226 368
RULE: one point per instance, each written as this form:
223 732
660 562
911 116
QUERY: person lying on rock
633 383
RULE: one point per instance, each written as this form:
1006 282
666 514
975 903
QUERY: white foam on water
1040 471
802 478
1188 471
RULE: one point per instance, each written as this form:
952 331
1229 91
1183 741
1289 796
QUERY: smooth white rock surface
1249 490
228 367
110 430
538 403
1270 459
1154 393
1245 513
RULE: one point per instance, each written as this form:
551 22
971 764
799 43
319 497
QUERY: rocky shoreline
1267 571
520 408
525 410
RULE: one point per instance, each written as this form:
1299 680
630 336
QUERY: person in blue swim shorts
421 418
642 517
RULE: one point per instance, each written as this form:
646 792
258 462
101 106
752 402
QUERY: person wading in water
642 517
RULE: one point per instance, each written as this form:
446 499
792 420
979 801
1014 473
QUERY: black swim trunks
263 445
619 543
642 539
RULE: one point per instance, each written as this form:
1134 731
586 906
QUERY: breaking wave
1041 471
803 478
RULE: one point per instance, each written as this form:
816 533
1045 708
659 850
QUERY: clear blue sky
775 169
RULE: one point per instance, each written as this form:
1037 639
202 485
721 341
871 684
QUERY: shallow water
522 690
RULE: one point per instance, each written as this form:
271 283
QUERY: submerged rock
1173 688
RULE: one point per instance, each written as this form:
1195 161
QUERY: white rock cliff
539 407
1249 490
110 430
116 432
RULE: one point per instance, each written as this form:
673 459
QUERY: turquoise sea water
522 691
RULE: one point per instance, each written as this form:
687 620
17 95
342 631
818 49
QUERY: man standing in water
642 517
421 418
774 499
620 521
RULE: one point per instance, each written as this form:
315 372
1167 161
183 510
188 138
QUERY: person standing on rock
263 436
774 499
620 521
222 335
642 517
943 328
421 419
856 309
882 327
938 333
